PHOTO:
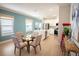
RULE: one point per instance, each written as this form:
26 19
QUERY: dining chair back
18 42
70 47
19 35
36 42
38 39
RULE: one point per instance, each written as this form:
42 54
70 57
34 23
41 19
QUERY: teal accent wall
19 23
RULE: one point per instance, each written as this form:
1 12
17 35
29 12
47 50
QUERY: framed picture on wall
75 22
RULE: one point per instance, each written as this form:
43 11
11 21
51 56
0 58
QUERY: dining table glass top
27 38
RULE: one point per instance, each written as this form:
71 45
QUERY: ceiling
39 10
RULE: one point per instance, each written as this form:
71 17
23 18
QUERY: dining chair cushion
33 43
23 44
18 43
36 41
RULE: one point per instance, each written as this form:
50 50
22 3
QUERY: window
28 25
38 25
6 24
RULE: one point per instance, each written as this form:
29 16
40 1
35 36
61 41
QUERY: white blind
6 24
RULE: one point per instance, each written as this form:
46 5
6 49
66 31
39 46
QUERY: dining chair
19 35
36 42
70 47
19 44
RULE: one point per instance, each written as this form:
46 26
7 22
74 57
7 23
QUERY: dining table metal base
28 47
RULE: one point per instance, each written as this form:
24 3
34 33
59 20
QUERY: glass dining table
28 39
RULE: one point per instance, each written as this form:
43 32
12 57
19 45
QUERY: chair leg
19 52
40 46
63 53
76 54
35 50
67 53
15 50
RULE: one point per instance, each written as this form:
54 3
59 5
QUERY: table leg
28 47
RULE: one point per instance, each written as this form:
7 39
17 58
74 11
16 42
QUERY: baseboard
5 41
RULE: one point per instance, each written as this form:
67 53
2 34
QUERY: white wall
64 16
52 22
52 16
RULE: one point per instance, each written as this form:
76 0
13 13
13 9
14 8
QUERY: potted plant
66 31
